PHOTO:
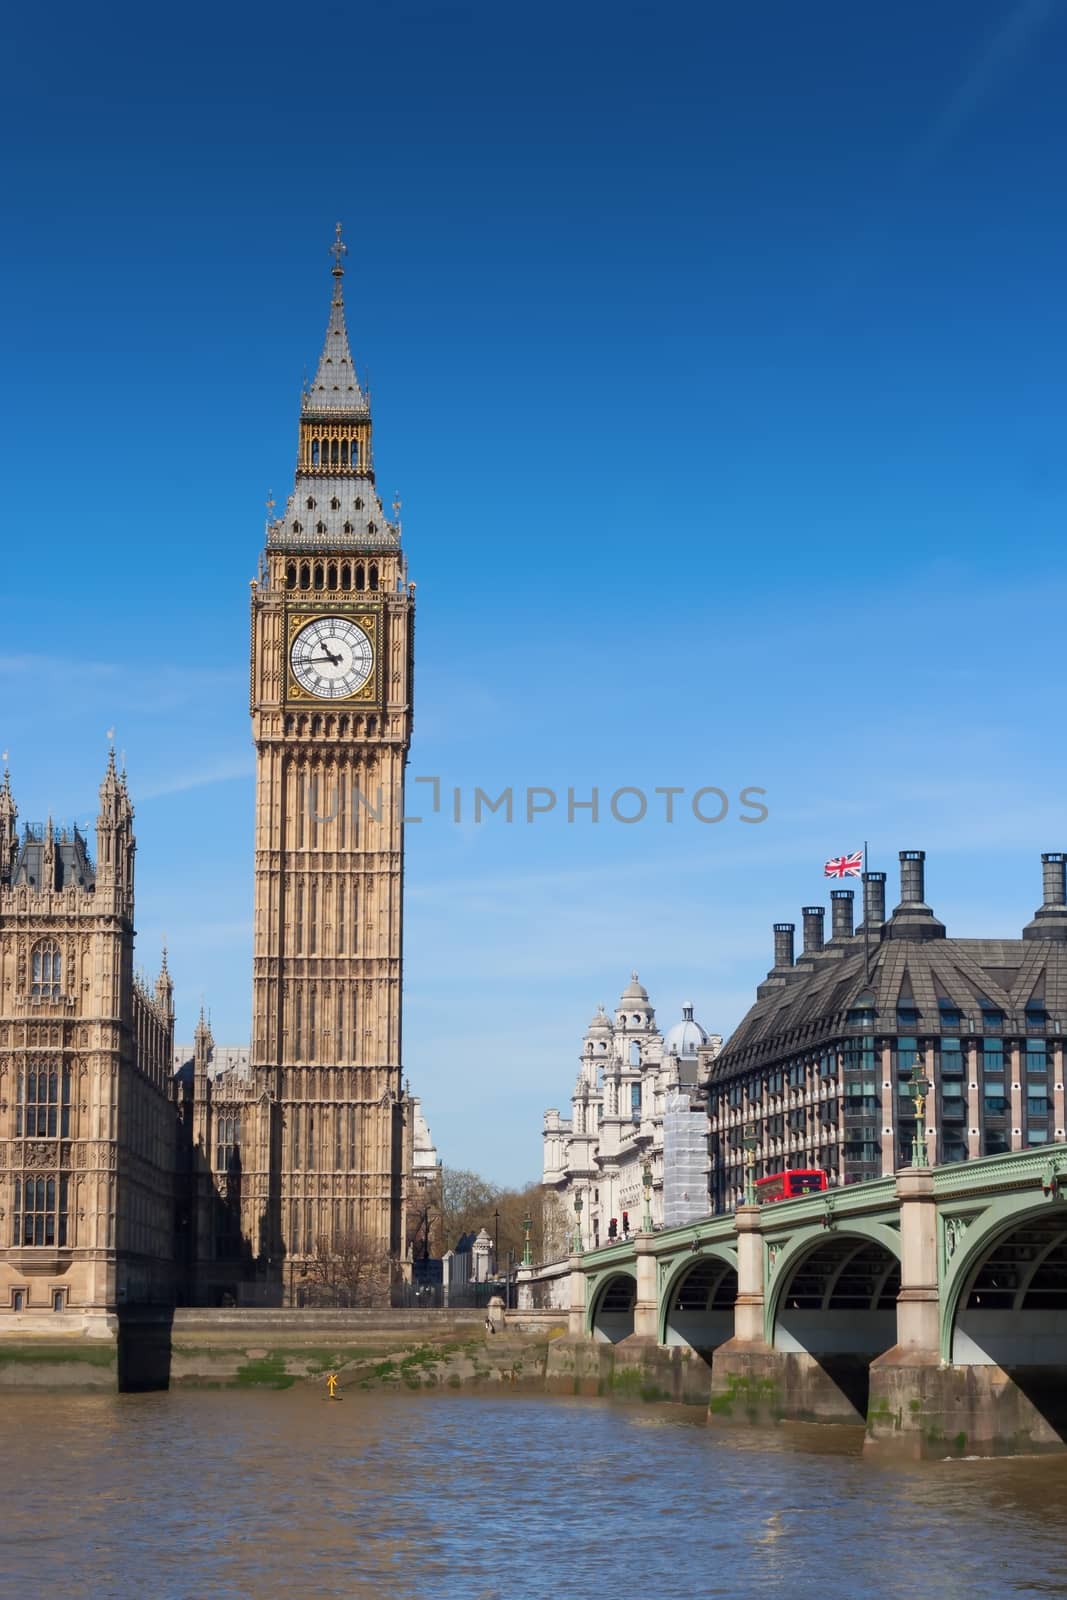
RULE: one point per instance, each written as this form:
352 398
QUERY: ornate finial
337 250
163 963
397 503
270 501
633 975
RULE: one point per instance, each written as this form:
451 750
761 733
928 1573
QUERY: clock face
332 658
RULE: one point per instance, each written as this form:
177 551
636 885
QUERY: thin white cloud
179 782
111 687
1000 52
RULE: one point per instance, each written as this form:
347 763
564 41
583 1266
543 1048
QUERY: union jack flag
845 866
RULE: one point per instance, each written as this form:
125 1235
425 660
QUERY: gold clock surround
367 617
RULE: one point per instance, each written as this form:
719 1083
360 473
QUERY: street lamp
646 1180
577 1224
527 1253
919 1085
496 1241
751 1144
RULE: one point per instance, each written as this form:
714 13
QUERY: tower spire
335 390
338 250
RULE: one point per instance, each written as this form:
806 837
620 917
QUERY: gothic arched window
227 1139
373 576
47 967
40 1211
314 452
355 452
331 576
361 577
42 1107
346 570
290 575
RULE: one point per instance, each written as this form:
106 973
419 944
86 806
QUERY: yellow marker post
331 1384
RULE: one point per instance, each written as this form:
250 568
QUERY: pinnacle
335 387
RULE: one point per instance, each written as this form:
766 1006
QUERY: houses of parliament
133 1171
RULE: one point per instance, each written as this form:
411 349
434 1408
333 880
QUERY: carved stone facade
88 1121
637 1107
331 671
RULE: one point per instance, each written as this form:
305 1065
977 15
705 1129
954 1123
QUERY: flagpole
866 923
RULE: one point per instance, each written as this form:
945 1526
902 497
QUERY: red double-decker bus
787 1185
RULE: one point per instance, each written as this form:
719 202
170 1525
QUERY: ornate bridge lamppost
577 1224
751 1144
646 1183
527 1253
919 1085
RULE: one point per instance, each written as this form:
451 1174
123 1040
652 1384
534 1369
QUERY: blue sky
717 355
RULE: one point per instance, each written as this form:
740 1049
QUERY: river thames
233 1494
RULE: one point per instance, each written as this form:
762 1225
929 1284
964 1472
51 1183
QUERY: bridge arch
611 1309
697 1301
831 1307
786 1258
1004 1301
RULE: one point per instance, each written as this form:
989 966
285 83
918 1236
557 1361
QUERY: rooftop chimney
1050 919
840 913
873 899
783 943
913 918
912 877
814 930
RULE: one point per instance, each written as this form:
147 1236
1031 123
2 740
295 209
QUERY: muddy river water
233 1494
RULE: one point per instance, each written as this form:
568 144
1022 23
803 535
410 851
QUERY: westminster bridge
931 1306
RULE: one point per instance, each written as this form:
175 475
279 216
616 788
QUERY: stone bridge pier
882 1319
930 1308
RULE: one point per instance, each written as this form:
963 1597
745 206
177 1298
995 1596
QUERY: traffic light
613 1229
626 1222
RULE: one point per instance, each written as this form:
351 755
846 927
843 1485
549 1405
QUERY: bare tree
467 1204
470 1202
350 1269
424 1218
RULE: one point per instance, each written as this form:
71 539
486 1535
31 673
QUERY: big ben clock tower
332 617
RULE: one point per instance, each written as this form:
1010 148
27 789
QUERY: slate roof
335 390
323 525
798 1006
312 520
72 864
236 1058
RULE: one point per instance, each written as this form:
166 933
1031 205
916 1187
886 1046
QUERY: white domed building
636 1102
